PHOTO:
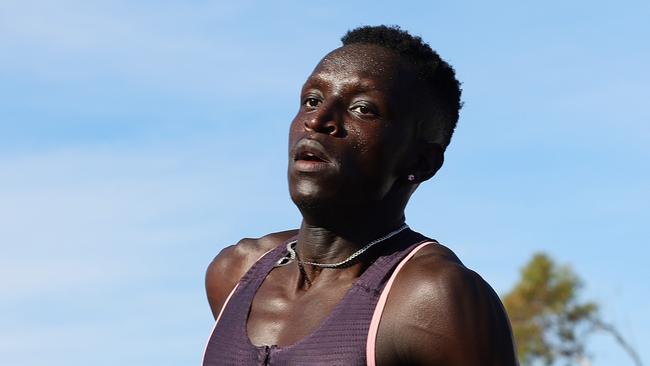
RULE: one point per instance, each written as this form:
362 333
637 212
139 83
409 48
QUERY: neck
330 233
335 242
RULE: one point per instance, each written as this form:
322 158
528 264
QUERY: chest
282 316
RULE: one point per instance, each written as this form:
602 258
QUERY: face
350 142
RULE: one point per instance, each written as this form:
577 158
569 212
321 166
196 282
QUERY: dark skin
352 144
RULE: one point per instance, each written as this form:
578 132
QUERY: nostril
331 129
328 127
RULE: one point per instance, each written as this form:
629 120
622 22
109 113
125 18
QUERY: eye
362 110
311 102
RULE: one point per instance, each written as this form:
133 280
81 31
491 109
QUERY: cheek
371 164
375 148
366 144
385 158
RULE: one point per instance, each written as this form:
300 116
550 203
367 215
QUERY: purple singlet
341 338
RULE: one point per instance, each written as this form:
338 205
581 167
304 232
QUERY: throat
335 252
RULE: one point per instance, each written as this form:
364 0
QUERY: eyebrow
363 84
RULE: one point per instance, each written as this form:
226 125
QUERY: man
354 285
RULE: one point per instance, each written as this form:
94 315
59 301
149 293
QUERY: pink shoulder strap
379 309
223 307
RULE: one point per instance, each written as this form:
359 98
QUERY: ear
429 158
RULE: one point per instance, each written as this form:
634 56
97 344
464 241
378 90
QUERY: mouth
310 150
309 156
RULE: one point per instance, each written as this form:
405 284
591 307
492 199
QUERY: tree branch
608 328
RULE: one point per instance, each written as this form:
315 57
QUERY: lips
310 156
310 150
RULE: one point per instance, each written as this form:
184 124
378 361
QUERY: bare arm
441 313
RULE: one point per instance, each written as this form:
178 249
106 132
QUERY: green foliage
548 320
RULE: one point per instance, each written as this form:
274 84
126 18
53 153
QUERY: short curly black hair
438 74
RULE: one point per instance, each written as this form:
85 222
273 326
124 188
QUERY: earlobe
427 160
430 160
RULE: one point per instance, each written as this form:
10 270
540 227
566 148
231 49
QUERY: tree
549 321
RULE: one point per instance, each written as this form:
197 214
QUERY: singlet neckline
276 253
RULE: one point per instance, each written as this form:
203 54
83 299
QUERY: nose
326 119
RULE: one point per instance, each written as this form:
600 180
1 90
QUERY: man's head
375 118
439 76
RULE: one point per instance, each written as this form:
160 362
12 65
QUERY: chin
309 199
315 201
315 196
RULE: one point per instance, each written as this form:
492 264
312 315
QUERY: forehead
364 64
372 59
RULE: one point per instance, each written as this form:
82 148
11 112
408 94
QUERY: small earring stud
411 177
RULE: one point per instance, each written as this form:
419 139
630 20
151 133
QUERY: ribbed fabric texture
341 337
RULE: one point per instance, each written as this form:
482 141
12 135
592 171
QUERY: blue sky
139 138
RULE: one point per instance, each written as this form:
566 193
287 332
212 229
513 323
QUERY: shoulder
440 312
228 267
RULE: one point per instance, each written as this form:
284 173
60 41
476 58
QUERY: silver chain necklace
292 252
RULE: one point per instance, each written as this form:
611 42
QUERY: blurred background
137 139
